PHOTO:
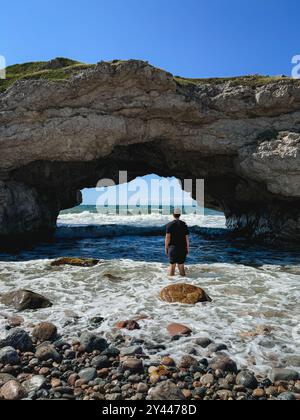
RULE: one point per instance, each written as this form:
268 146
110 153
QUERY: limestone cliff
61 132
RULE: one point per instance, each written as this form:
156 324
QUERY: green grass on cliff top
63 69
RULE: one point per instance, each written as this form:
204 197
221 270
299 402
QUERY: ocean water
252 286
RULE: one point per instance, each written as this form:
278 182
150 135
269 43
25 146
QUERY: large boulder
22 300
184 293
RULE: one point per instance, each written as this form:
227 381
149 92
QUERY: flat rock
5 377
45 331
75 262
184 293
23 300
165 391
12 391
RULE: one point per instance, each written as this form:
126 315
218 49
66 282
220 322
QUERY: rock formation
241 135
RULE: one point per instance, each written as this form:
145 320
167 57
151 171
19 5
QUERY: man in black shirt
177 244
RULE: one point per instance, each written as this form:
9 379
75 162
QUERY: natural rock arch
241 135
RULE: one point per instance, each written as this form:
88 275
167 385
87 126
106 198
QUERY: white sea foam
244 297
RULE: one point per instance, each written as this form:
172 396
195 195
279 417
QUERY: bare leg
182 270
172 270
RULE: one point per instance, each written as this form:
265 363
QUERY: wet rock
90 342
18 339
165 391
187 361
246 379
259 393
23 300
178 329
12 391
156 373
34 384
262 330
100 362
283 375
224 363
88 374
133 365
45 331
168 361
203 342
184 293
286 396
129 325
9 356
47 351
75 262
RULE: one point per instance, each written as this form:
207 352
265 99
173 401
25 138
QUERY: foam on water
245 296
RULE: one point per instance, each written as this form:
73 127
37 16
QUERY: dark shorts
177 255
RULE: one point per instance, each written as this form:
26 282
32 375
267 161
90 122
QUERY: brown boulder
22 300
184 293
45 331
178 329
76 262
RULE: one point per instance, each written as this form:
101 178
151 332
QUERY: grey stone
100 362
23 300
247 379
9 356
224 363
286 396
165 391
18 339
34 384
203 342
88 374
90 342
131 351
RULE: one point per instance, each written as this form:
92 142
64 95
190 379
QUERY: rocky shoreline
44 366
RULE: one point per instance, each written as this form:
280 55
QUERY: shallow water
251 286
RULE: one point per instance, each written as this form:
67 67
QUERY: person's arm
187 244
167 242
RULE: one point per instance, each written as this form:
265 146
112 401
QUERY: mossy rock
184 293
75 262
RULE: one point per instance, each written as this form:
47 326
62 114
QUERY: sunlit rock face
242 136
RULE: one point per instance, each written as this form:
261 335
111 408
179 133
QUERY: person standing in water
177 244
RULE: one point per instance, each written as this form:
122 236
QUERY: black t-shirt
178 231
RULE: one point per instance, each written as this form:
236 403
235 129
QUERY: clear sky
196 38
192 38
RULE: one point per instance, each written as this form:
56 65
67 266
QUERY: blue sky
192 38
